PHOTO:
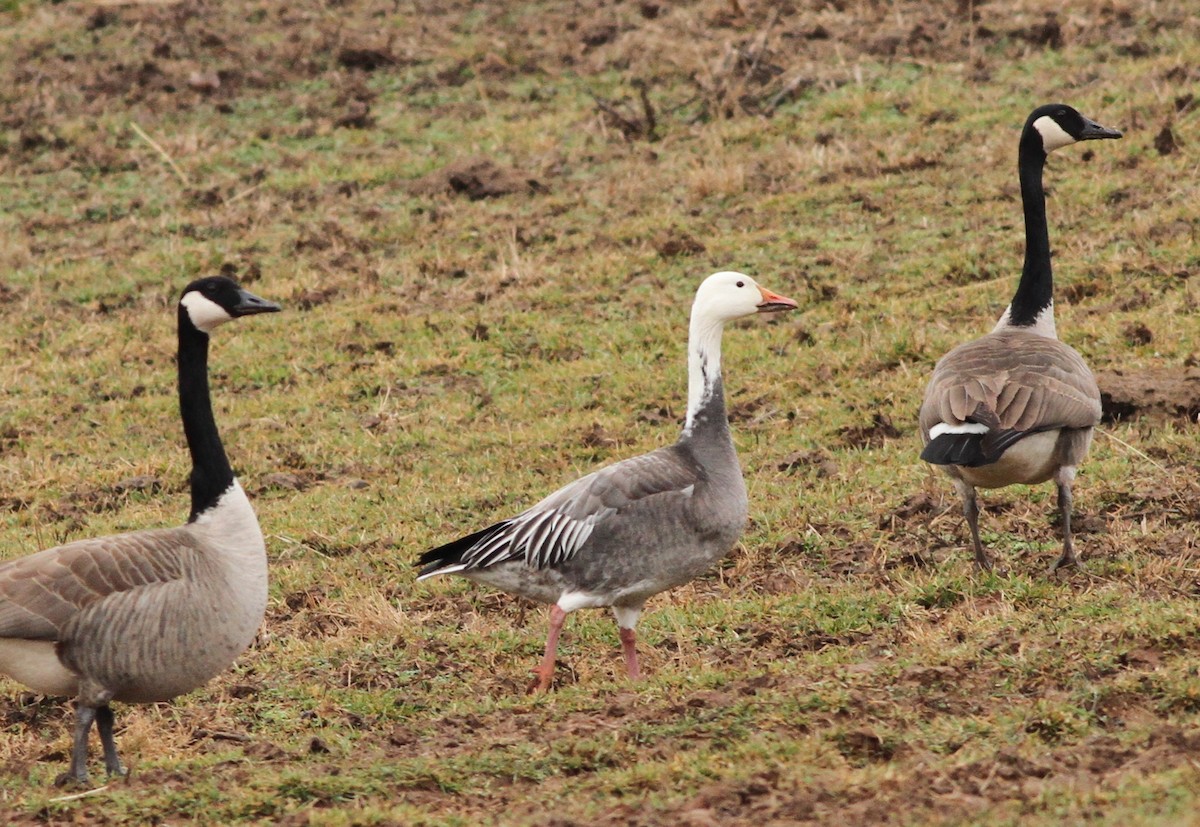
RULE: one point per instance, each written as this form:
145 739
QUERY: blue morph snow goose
1018 405
641 526
146 616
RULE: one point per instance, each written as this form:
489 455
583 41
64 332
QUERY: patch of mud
476 178
674 242
818 462
1169 393
874 435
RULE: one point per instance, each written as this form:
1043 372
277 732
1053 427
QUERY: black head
212 301
1056 125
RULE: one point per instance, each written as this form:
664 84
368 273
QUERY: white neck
232 544
231 527
704 363
1042 326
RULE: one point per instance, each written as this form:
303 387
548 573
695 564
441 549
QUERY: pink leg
629 647
544 674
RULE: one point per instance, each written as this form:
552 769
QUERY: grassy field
486 223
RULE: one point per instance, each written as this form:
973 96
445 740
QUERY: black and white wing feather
554 530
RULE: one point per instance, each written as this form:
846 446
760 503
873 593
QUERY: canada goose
638 527
145 616
1017 405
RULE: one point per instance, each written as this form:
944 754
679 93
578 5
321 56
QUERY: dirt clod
364 58
1164 141
476 178
675 242
1169 392
1139 334
874 435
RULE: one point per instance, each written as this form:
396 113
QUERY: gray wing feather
554 530
39 594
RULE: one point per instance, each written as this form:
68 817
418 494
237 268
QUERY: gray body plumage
141 617
1015 380
641 526
649 523
145 616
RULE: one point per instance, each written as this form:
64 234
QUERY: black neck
1036 290
211 474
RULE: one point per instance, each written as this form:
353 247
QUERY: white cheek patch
1053 136
204 313
965 428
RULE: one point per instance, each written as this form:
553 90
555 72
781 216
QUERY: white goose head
1058 125
722 297
210 302
726 296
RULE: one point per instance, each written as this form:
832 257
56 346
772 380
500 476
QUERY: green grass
443 362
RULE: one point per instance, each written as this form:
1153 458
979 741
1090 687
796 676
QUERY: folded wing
987 395
554 530
39 594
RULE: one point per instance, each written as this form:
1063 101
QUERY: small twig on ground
243 193
1133 450
759 48
219 735
165 156
629 127
75 796
647 110
112 4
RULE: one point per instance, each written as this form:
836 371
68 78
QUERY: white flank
571 601
965 428
1030 461
35 664
1053 136
205 313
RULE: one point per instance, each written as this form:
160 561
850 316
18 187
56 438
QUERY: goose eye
741 284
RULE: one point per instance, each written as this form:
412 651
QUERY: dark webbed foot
77 774
70 780
971 512
1065 562
1068 558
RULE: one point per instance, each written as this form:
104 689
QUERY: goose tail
955 449
449 558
